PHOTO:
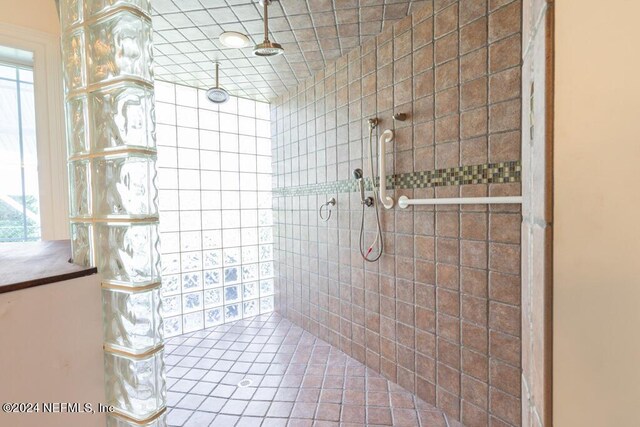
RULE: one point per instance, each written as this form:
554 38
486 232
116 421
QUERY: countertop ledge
30 264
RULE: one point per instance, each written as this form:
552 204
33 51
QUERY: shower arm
387 136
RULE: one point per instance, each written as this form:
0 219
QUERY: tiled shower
272 312
440 312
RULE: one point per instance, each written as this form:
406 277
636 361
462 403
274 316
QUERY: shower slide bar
404 202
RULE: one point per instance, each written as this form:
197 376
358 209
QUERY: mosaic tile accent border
488 173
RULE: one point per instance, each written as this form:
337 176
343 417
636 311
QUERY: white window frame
50 128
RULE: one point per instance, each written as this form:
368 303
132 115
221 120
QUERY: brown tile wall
439 313
537 226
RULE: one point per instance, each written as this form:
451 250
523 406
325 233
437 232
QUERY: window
19 192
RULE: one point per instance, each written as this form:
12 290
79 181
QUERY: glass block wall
108 82
215 208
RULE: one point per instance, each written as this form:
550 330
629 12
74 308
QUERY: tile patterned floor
296 380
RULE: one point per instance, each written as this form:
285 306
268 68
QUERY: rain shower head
267 48
216 94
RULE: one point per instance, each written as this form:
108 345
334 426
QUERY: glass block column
107 57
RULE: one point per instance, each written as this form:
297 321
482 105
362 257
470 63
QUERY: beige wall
597 203
51 351
40 15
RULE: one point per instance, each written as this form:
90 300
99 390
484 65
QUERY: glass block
187 96
164 91
114 421
264 164
231 238
190 241
266 252
211 239
166 135
132 320
250 308
231 275
209 140
250 291
189 179
232 256
73 57
191 261
188 158
169 201
214 316
249 218
169 221
212 259
128 253
187 117
247 125
228 123
96 6
165 114
213 298
250 272
76 122
232 294
249 254
230 199
210 200
213 278
232 312
171 306
264 200
230 181
120 46
125 187
249 236
192 322
70 12
170 285
190 220
231 219
80 194
266 270
170 264
82 244
263 128
266 235
265 217
249 200
172 326
122 117
266 304
263 110
189 200
191 281
192 302
170 242
136 387
266 287
208 120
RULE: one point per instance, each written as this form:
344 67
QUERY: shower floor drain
245 383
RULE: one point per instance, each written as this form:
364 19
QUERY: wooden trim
548 274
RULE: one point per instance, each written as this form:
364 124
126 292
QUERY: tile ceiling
313 33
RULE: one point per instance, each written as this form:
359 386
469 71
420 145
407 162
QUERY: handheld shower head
357 174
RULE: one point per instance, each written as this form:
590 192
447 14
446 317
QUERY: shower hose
378 242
